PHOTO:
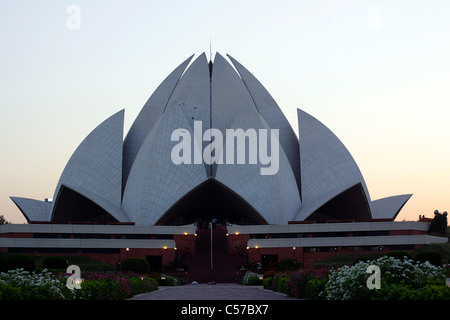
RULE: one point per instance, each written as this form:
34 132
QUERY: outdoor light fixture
77 282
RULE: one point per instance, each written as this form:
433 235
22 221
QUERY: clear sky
377 73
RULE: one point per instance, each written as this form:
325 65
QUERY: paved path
220 291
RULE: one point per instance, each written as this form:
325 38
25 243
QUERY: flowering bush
298 281
279 282
24 285
348 283
269 274
165 280
114 285
447 270
251 278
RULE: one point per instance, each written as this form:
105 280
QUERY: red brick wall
16 235
185 244
405 232
237 244
168 255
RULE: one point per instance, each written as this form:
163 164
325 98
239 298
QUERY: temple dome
111 179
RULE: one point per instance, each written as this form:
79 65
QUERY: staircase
224 266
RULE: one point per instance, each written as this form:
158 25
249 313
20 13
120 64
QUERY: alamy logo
75 280
235 147
373 281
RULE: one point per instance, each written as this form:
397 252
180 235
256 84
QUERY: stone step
224 266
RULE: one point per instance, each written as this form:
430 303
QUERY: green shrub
401 255
2 264
254 280
314 289
298 281
8 292
399 291
24 285
167 281
447 270
279 282
251 278
282 282
267 283
55 263
114 286
399 280
289 265
142 284
432 257
19 261
276 278
100 290
433 292
136 265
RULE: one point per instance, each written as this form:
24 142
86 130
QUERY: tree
439 222
3 220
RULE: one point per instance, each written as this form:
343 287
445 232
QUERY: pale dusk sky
377 73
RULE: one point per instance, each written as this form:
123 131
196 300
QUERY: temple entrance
211 205
210 201
211 263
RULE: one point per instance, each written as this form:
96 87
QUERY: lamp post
127 250
211 227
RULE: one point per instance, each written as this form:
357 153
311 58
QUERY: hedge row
302 283
400 279
24 285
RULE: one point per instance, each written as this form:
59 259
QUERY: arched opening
350 204
211 200
71 206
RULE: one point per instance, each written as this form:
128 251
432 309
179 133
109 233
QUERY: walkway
220 291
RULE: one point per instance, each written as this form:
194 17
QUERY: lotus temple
119 198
